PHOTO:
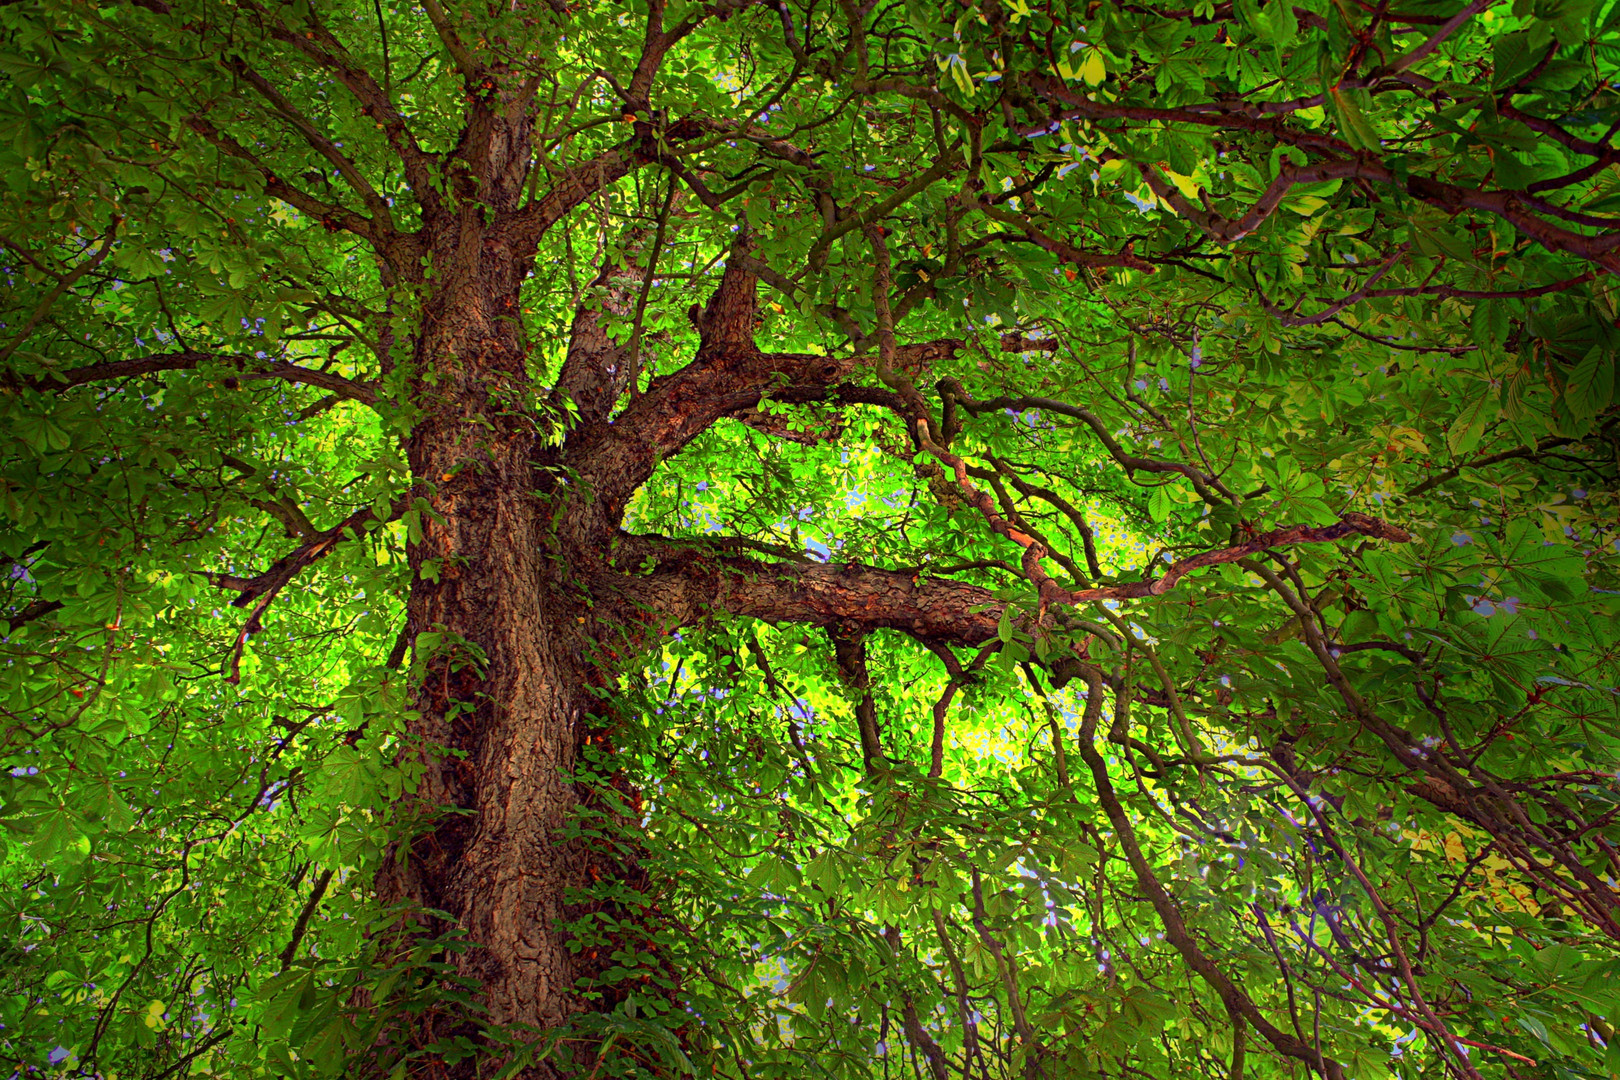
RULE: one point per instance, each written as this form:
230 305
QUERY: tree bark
505 701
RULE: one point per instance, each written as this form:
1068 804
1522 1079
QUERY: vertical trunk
506 701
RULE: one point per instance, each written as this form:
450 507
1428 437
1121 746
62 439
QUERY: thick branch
728 375
688 583
571 187
596 369
849 649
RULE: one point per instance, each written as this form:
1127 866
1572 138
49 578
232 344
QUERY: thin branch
328 149
330 214
1489 459
1438 38
261 590
248 368
302 924
64 282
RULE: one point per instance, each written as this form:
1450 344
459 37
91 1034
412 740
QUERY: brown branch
248 368
687 585
1511 206
1489 459
301 926
262 589
1208 487
320 45
1009 979
860 220
658 42
1338 305
1081 107
64 282
1067 252
849 649
1164 905
956 677
1445 292
1350 524
375 203
1050 592
572 187
596 369
465 61
1447 28
329 214
36 610
728 375
1087 538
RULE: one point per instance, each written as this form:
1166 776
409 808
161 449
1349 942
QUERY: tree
784 539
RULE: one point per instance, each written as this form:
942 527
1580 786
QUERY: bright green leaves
1357 348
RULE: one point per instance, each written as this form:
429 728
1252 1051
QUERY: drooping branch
849 649
1207 486
1169 912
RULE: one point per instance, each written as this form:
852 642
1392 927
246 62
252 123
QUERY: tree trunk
506 702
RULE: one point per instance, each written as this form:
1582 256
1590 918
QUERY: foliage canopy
776 539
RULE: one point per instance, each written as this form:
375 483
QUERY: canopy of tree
790 538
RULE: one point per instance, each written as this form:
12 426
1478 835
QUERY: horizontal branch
36 610
690 580
247 367
1350 524
1516 208
1444 292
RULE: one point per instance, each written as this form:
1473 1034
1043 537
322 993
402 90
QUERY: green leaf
1591 387
1466 430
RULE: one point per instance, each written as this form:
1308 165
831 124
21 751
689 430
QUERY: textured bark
690 580
503 701
506 699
